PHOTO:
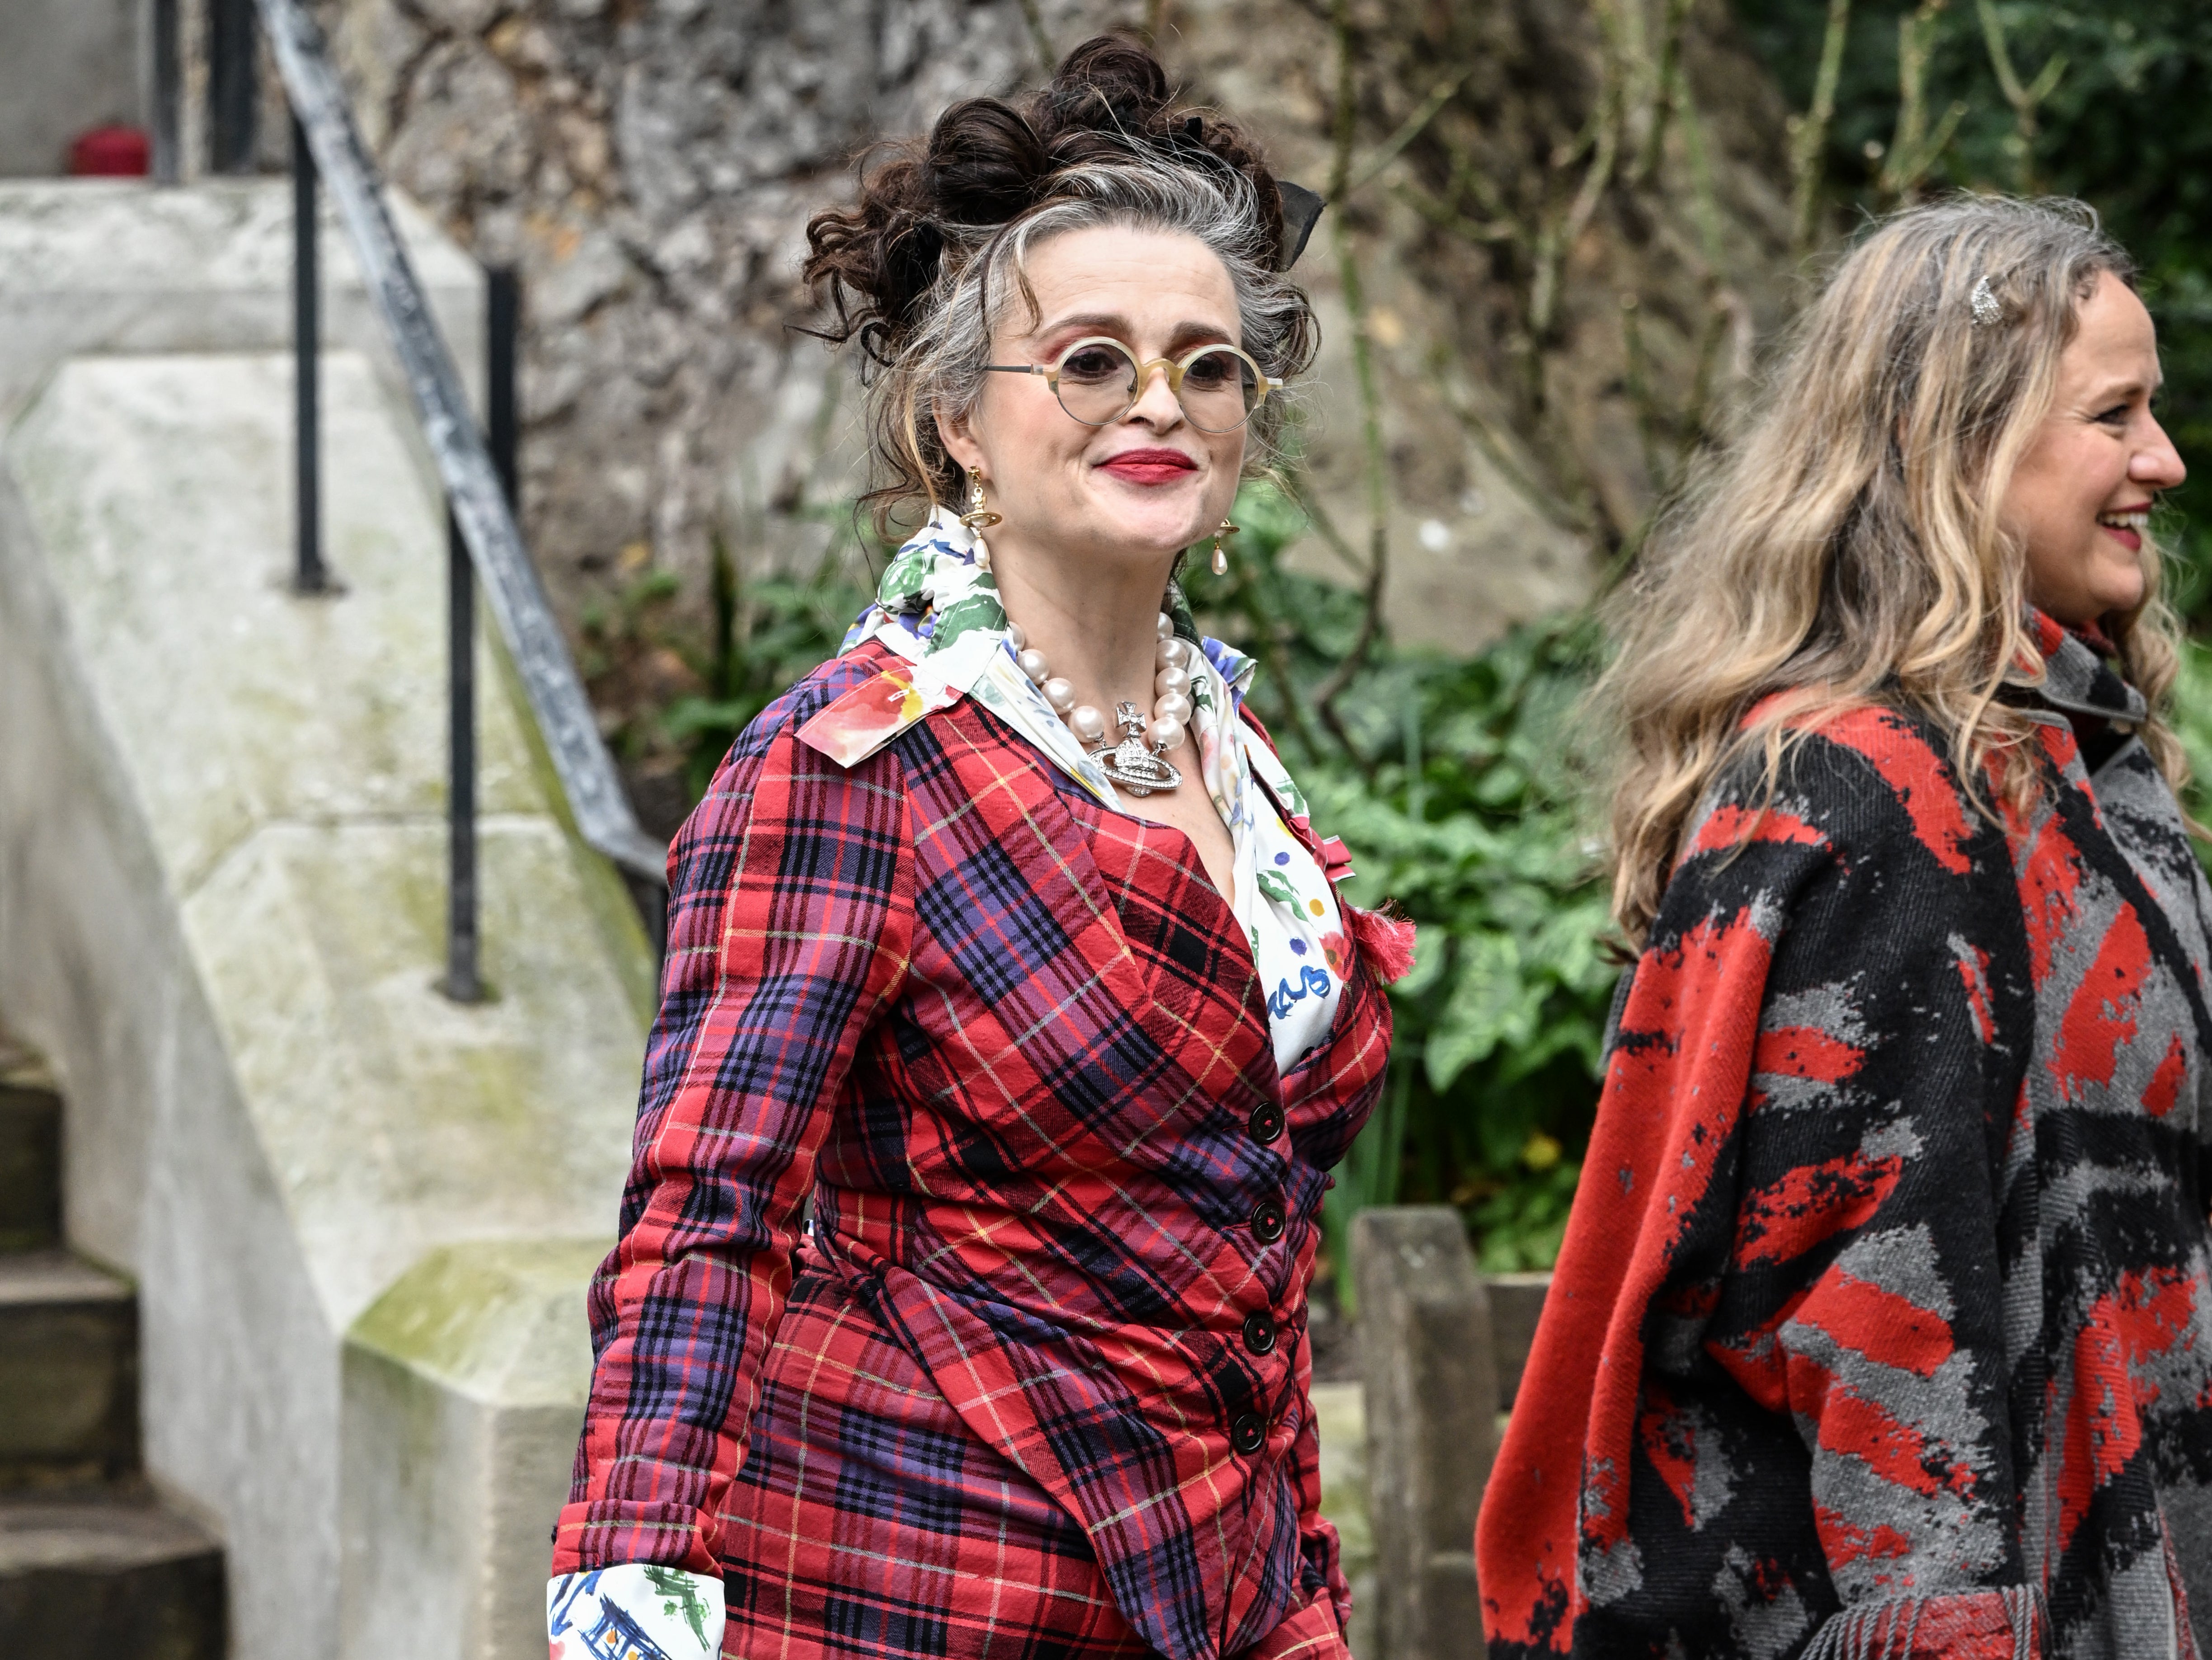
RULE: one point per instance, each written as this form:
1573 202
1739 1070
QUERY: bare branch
1370 401
1504 450
1913 152
1719 314
1636 382
1666 95
1553 241
1038 37
1456 224
1705 194
1320 518
1808 151
2026 100
1409 131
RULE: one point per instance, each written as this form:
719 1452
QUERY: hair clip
1301 207
1988 310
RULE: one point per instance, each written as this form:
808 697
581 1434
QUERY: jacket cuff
676 1613
2009 1624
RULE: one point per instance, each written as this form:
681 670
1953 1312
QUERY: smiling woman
2080 501
1051 1019
1883 1321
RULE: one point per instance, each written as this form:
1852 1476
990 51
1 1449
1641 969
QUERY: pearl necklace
1135 763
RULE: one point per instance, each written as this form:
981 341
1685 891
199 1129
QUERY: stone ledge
222 885
122 265
160 487
479 1356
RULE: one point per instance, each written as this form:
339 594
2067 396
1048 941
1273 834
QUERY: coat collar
2076 679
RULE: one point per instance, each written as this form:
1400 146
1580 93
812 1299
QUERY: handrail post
311 575
167 76
233 96
502 342
463 981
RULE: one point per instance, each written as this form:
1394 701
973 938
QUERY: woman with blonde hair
1883 1324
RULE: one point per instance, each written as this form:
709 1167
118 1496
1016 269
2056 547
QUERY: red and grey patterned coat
1883 1323
1038 1383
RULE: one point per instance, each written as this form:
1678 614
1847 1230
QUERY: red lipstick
1149 466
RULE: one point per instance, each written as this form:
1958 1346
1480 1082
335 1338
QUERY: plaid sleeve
791 909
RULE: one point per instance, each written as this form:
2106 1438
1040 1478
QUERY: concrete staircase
91 1567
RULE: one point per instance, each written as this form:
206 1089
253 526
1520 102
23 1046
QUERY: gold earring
1221 558
979 515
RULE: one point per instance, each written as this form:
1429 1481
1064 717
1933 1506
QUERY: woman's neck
1097 623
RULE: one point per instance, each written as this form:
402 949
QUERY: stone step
69 1373
107 1579
30 1153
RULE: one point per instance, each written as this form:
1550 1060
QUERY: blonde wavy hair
1848 548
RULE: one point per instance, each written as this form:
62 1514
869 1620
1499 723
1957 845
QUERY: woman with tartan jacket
1883 1322
1002 939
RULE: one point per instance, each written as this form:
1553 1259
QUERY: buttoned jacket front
1013 1046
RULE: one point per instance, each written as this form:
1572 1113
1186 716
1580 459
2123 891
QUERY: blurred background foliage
1463 784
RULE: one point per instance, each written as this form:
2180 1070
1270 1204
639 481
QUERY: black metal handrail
166 103
233 87
484 542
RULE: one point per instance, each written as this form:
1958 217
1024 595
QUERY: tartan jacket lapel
1159 947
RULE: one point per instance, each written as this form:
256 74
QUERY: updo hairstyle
921 269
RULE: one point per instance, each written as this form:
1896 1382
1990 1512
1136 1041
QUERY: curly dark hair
911 270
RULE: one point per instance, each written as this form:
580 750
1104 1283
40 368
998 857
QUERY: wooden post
1516 1303
1432 1389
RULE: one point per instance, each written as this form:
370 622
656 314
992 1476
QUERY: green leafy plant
767 636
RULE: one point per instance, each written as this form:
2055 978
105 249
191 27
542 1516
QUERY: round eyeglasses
1098 381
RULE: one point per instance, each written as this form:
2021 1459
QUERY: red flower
1337 953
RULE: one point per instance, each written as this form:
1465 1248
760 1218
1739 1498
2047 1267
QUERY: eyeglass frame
1174 368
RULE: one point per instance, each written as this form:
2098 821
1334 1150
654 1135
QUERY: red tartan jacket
1883 1323
1035 1102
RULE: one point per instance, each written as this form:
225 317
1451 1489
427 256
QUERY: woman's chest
2116 913
1075 968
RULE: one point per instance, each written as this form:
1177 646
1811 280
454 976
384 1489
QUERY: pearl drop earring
1220 557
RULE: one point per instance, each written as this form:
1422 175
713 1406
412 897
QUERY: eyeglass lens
1098 384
